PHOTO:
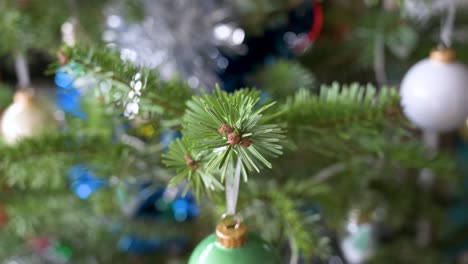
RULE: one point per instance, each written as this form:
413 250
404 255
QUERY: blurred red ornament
39 244
303 45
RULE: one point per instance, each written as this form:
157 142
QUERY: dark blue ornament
69 102
68 97
168 137
264 49
149 203
145 246
139 246
458 212
264 97
83 182
185 208
160 203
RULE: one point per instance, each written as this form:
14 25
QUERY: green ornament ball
254 251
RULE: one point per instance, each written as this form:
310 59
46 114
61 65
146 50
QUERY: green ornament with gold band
233 244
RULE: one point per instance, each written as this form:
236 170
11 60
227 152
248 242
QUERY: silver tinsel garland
178 37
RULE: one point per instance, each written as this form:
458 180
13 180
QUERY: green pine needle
190 165
252 141
340 105
120 83
284 78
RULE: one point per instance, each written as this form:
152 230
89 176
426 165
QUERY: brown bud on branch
246 142
234 138
190 163
225 129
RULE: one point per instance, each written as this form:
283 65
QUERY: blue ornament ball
64 80
168 137
69 102
139 246
83 183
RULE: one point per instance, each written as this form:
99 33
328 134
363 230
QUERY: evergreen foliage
329 151
339 128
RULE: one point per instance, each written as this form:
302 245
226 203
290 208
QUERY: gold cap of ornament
23 96
444 55
231 233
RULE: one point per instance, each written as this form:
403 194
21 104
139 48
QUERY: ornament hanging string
446 31
22 70
232 189
430 138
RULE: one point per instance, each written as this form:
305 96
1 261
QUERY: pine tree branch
337 106
229 127
296 226
55 154
103 76
283 79
128 83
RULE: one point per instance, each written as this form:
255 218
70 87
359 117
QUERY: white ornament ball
434 93
25 117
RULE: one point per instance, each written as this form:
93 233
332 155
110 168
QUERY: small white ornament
434 93
359 243
25 117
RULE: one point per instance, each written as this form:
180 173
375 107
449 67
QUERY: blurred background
116 207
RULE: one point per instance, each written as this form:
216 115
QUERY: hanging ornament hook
231 232
231 221
232 183
22 71
447 23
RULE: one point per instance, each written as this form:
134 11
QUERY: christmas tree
291 131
